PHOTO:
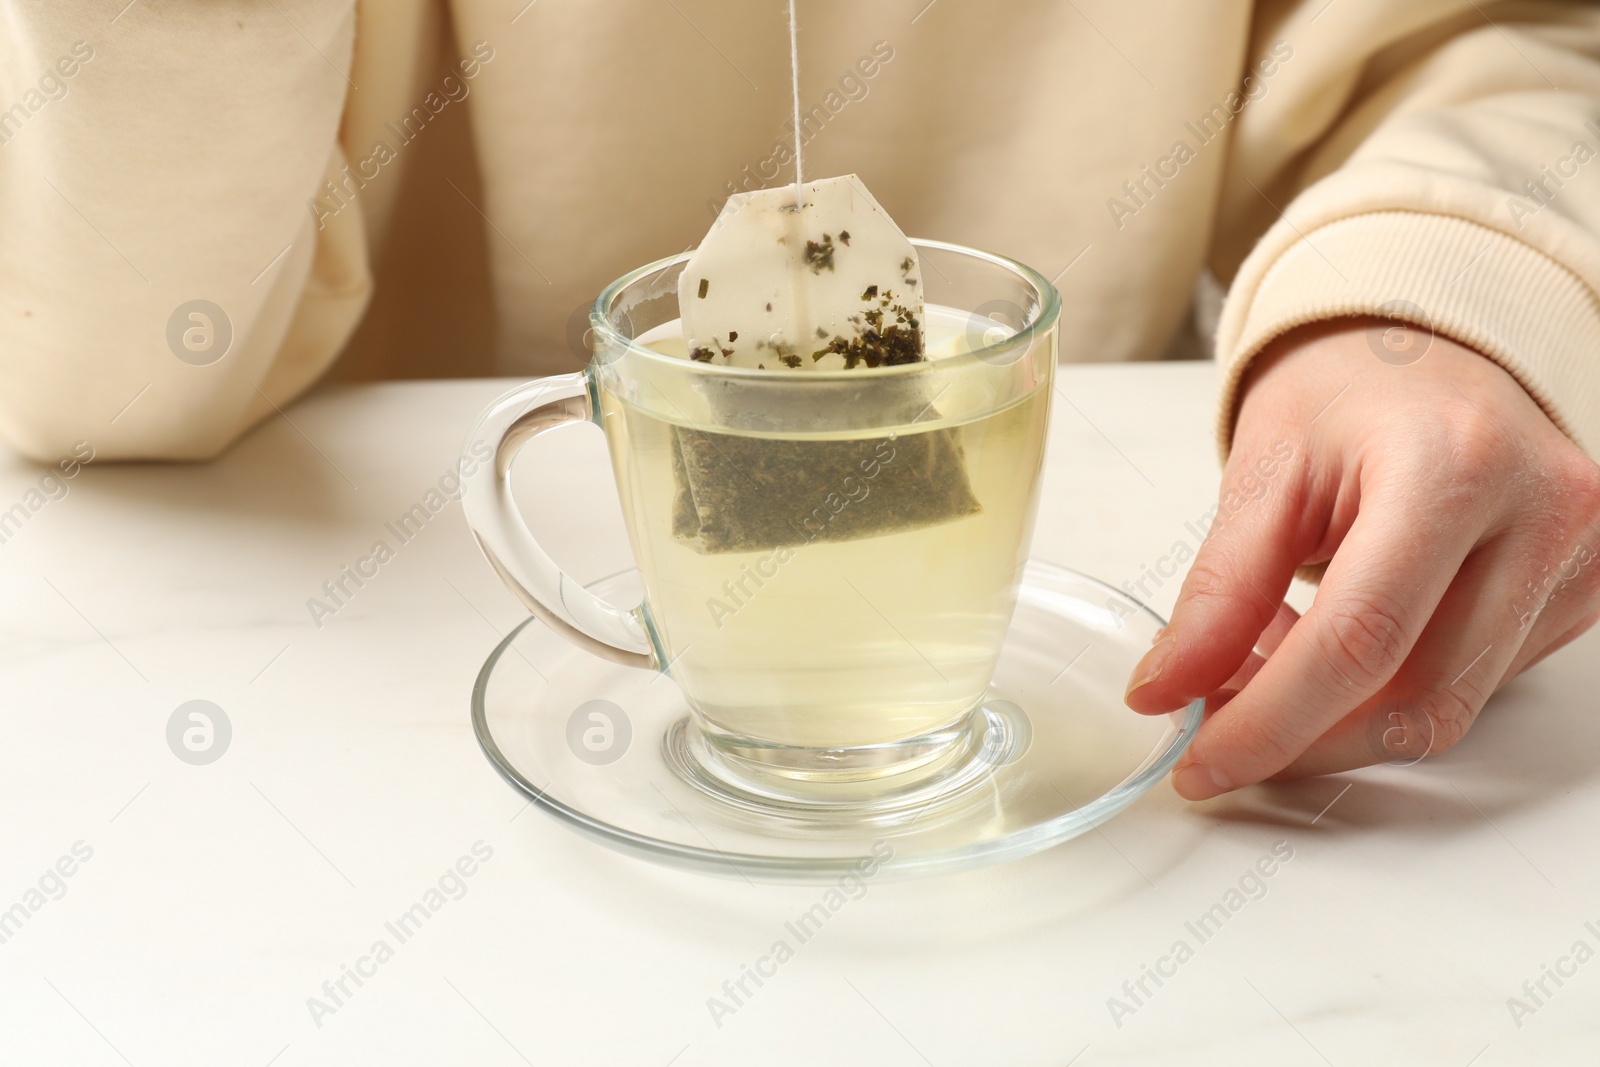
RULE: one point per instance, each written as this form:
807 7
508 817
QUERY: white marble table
216 899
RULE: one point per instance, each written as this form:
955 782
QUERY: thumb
1234 588
1264 647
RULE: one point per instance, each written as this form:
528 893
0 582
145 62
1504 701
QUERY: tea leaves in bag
827 284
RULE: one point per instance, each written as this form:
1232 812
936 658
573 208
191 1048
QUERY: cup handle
526 568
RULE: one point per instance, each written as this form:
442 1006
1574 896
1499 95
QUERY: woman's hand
1462 528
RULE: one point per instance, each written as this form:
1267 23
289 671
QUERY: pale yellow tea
829 589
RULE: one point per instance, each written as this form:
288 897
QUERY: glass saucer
601 748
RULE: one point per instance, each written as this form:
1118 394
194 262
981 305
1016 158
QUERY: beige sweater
494 162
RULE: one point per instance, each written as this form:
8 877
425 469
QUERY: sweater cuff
1477 286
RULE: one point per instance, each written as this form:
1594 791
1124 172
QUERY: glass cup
830 560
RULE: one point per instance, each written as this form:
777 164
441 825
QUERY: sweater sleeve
164 283
1436 163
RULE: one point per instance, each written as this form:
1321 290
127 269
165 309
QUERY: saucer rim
1020 843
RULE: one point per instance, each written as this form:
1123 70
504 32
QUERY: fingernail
1200 782
1148 669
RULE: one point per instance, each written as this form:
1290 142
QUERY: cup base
878 783
894 760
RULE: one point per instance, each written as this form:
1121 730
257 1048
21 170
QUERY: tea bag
743 494
825 283
829 283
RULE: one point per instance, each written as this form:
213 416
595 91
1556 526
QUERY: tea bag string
794 76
